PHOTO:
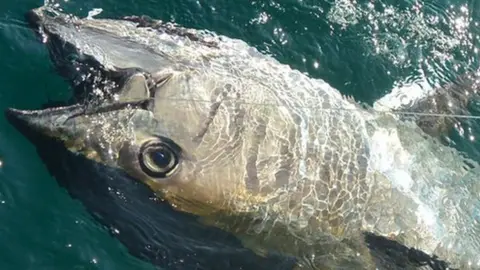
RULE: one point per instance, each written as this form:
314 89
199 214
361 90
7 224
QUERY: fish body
281 160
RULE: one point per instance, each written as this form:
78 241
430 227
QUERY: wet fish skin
265 150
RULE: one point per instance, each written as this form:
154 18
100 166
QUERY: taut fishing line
464 116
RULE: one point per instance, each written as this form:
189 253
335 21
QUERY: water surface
362 48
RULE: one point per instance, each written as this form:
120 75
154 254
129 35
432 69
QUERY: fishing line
464 116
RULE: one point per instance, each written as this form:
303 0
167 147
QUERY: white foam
94 12
403 96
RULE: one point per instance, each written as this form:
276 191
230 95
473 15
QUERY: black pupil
161 157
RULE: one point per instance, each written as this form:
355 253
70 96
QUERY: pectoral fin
250 243
135 88
138 85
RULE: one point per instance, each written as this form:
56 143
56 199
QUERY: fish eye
158 159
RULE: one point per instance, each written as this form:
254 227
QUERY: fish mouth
20 121
24 123
18 118
61 122
44 123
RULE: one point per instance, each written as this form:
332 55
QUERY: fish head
159 126
172 147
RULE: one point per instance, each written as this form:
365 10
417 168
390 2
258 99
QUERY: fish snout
47 122
35 17
29 123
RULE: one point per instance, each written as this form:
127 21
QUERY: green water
361 49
